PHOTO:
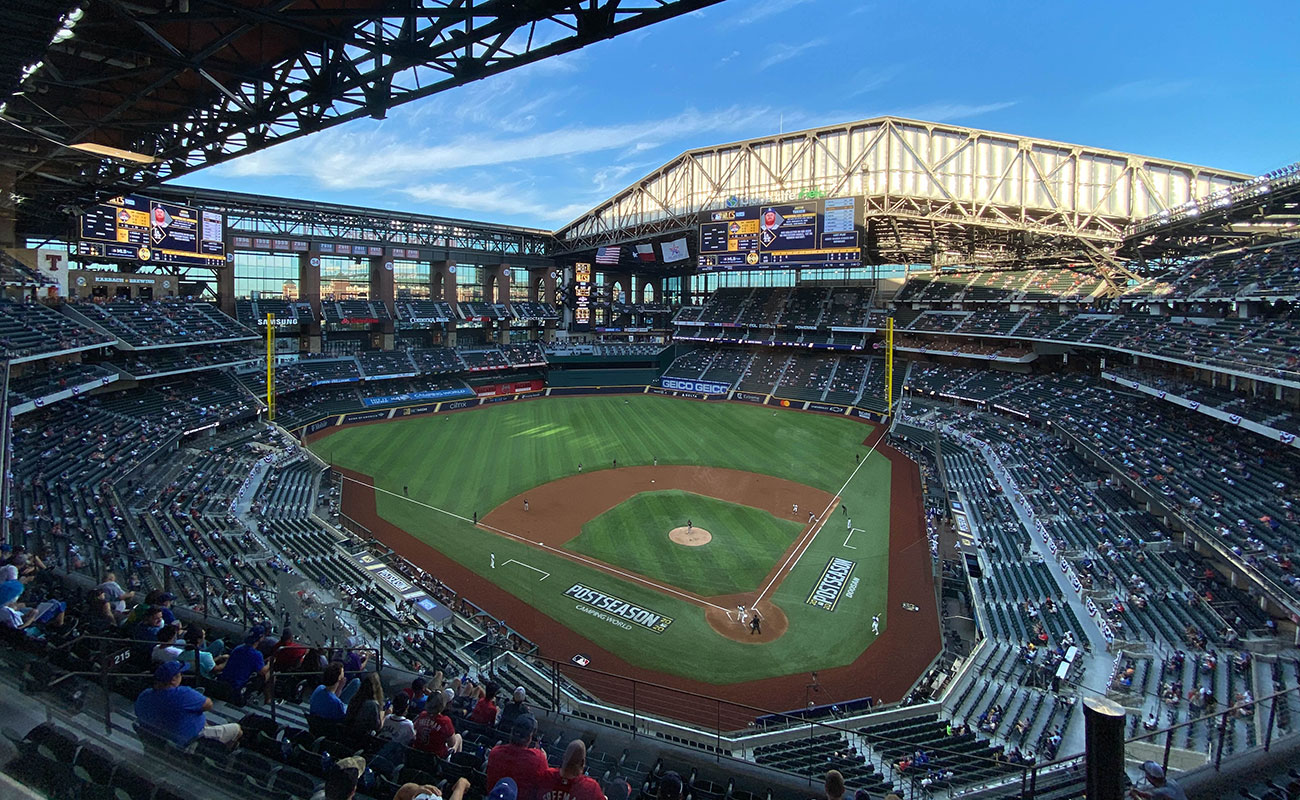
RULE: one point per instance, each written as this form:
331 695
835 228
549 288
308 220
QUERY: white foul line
792 560
545 574
557 551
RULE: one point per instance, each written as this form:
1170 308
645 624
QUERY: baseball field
630 529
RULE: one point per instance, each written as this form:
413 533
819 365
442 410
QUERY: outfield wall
310 431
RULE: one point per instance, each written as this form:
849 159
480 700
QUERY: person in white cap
1155 785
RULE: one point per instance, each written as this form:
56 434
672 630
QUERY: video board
142 229
581 295
807 233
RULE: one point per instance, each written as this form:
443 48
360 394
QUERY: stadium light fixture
106 151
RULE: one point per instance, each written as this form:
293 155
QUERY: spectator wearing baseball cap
1155 785
176 712
246 667
518 759
512 709
670 786
569 783
341 779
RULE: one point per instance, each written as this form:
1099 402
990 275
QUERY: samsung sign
703 387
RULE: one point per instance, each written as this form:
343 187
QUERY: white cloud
1140 90
510 199
944 112
351 158
763 9
868 79
780 53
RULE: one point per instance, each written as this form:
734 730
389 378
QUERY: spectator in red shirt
288 653
568 782
485 710
518 759
434 732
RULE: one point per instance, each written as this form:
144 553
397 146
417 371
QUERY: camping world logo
618 607
826 594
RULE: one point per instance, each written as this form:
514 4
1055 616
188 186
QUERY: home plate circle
690 537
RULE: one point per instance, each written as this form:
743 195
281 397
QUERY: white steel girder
956 179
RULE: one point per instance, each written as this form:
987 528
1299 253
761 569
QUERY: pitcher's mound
690 537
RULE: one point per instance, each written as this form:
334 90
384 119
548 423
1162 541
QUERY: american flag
608 255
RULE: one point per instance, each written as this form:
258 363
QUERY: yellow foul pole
889 365
270 367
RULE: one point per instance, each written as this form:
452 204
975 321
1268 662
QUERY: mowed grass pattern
456 464
634 535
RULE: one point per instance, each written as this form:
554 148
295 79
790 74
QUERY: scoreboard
808 233
141 229
581 295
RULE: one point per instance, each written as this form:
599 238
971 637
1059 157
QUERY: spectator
167 649
365 713
485 710
513 709
209 664
246 668
397 726
151 622
834 785
670 786
519 758
415 791
288 655
29 620
434 732
1155 785
176 712
569 783
397 732
341 779
416 694
330 698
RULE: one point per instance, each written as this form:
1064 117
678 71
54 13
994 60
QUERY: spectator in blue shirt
176 712
330 699
245 668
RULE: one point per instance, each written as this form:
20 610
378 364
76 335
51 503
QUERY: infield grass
475 460
634 534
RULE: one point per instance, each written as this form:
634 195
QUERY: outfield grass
634 535
476 460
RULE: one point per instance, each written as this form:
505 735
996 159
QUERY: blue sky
1202 82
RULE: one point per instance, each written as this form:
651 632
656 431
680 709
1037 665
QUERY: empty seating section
728 366
437 360
480 359
763 372
143 363
806 377
28 329
385 363
43 379
805 307
845 386
691 365
252 313
353 312
140 323
524 354
533 310
938 321
763 307
478 310
424 312
848 308
724 306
